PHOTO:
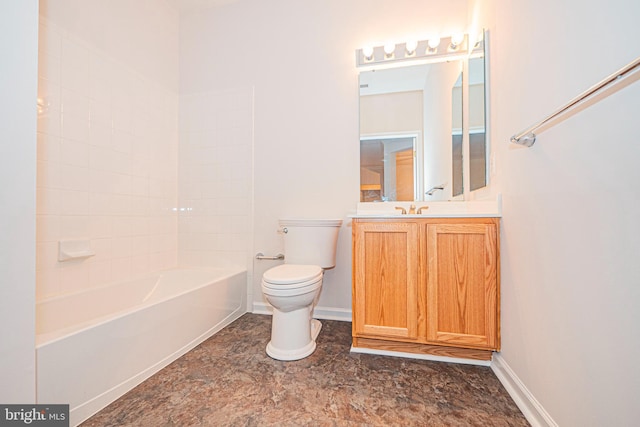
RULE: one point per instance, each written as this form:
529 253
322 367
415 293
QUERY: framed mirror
422 130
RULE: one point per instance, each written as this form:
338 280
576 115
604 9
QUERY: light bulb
411 47
367 51
456 40
433 44
389 48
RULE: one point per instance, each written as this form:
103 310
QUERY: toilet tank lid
311 222
291 273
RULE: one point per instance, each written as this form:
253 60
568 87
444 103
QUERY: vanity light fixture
390 54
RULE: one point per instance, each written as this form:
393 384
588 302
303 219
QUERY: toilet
293 288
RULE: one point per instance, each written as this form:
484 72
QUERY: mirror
422 131
456 138
477 124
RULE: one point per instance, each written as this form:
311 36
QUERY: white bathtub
94 346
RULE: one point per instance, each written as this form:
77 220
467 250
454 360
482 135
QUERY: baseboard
328 313
530 407
430 357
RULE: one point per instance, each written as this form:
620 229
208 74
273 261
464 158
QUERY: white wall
570 230
299 57
18 65
107 140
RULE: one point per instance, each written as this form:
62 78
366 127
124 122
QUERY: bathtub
94 346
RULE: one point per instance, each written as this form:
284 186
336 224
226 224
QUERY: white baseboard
329 313
530 407
421 356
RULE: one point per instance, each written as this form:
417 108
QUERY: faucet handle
404 211
421 208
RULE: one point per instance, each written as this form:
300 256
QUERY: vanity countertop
456 209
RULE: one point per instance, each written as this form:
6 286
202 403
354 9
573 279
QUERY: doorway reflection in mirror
388 168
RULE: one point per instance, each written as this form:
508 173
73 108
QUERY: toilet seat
291 276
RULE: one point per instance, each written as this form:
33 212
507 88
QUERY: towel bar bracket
527 140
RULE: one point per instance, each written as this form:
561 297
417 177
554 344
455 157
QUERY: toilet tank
310 241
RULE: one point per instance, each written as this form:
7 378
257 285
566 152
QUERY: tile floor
230 381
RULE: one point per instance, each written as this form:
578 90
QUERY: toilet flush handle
262 256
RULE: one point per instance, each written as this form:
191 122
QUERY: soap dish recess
74 249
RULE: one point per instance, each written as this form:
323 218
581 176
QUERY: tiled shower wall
216 178
107 166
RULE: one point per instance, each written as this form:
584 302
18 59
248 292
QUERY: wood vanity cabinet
427 285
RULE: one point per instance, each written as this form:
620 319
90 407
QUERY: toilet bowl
292 289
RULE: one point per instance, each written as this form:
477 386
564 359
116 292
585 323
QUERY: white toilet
293 287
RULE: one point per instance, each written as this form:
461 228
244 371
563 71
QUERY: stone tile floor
230 381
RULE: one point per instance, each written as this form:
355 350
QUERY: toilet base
316 325
297 353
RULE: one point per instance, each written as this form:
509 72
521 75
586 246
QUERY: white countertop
455 209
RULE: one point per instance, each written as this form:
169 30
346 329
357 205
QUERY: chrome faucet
434 189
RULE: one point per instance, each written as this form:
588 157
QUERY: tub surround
85 338
107 144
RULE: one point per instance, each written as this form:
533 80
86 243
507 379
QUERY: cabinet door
462 284
385 279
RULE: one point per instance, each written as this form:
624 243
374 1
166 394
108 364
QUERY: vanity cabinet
427 285
386 279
